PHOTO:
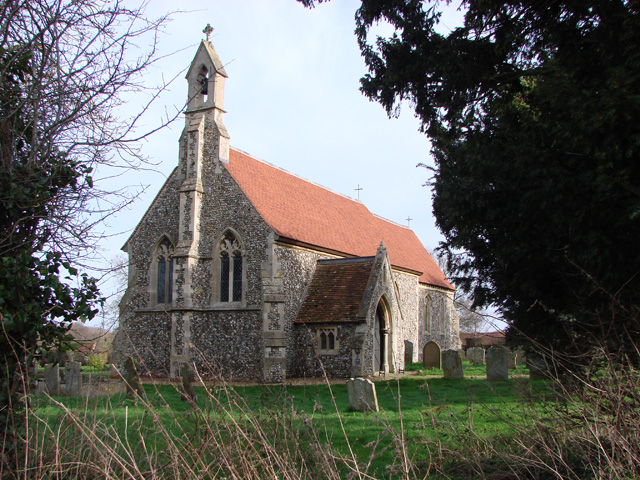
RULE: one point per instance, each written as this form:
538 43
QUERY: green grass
427 411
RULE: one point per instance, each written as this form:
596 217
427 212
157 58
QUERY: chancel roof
336 291
306 213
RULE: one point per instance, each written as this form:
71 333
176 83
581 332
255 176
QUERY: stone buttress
204 141
273 318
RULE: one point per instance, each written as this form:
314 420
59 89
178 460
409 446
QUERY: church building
249 272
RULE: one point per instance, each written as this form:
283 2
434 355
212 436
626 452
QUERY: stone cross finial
207 30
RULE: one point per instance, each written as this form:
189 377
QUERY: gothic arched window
163 269
230 253
427 314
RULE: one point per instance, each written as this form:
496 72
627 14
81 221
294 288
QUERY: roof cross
207 30
358 190
409 221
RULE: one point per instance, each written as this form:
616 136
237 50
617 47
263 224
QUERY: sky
292 99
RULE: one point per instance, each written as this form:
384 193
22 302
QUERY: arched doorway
381 339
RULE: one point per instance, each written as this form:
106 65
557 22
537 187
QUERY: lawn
306 424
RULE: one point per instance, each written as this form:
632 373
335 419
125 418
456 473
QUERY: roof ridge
303 178
392 222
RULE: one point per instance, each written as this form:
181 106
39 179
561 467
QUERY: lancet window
327 340
230 253
163 264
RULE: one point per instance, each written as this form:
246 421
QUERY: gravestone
132 380
511 360
73 378
521 356
52 378
431 356
476 355
452 365
408 353
497 365
189 393
538 369
362 395
462 354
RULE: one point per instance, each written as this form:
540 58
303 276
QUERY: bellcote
206 78
204 112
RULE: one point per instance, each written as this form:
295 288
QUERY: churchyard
427 425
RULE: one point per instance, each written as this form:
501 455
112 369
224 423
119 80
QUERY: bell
204 83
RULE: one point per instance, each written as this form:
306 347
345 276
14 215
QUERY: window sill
327 352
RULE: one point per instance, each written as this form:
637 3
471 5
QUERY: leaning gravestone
362 395
408 352
73 376
497 365
511 360
52 378
452 365
476 355
431 356
132 380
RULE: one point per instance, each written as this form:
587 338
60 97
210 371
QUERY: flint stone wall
147 337
228 344
445 334
307 362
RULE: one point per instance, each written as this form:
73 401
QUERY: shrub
95 362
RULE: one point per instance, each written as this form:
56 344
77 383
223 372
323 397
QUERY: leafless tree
85 60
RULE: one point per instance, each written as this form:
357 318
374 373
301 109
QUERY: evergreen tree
533 109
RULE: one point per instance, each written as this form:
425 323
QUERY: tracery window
164 271
327 340
230 253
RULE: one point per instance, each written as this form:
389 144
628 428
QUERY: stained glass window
224 277
162 266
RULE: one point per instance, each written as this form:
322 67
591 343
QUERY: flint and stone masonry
214 284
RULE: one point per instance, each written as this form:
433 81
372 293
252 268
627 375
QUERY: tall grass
428 428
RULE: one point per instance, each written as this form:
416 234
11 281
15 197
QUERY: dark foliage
533 109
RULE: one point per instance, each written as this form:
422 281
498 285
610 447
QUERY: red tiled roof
336 291
485 338
305 212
